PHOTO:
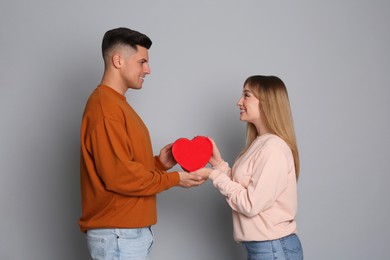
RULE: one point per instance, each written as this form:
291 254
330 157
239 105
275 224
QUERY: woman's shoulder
272 141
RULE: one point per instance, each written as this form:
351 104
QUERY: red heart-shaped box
193 154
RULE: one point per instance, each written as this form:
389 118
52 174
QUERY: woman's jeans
285 248
112 244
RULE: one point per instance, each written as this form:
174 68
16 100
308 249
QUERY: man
119 175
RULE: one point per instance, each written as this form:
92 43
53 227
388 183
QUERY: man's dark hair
124 36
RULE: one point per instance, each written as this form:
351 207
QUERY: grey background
333 56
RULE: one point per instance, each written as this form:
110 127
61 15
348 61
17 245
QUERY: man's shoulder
110 104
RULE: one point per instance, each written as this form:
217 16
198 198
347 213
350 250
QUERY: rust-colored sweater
119 175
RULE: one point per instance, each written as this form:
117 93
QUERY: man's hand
190 179
166 157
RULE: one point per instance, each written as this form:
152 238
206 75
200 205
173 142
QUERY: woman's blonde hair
275 107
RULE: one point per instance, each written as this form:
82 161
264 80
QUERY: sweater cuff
214 174
222 166
158 164
175 178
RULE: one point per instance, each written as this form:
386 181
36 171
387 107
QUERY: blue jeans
123 244
285 248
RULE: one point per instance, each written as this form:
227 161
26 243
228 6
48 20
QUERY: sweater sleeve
158 164
268 179
224 168
117 168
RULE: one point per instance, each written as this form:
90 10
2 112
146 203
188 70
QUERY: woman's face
249 107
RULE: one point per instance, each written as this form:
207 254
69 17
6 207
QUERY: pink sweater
261 189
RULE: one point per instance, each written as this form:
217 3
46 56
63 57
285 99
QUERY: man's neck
114 84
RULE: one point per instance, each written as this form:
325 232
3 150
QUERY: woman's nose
239 102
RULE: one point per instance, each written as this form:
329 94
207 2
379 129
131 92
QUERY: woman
261 187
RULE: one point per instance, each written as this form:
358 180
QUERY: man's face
135 68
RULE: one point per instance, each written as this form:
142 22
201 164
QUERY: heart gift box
193 154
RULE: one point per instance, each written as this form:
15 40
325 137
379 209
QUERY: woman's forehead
246 89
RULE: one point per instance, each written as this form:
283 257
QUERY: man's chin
136 87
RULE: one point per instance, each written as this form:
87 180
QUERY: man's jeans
112 244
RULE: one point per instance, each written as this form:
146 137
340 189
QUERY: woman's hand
203 172
215 158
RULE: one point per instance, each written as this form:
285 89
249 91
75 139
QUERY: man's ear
117 61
